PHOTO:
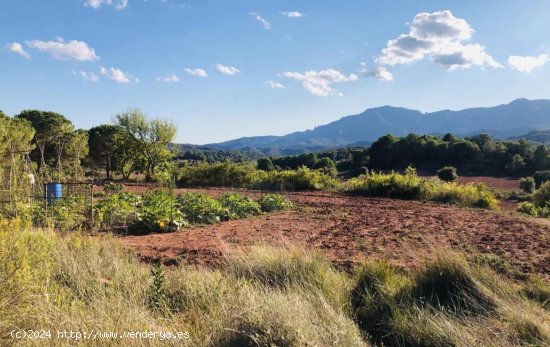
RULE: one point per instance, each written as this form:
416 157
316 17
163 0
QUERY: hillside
518 117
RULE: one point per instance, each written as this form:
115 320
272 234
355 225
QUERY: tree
50 128
102 144
265 164
152 136
15 143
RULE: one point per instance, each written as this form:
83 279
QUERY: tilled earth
349 229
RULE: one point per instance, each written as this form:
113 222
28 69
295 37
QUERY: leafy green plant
201 209
274 202
528 208
113 188
160 211
156 291
239 206
117 209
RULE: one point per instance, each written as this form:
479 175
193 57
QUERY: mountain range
518 117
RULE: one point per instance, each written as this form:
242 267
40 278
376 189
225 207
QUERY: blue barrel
54 190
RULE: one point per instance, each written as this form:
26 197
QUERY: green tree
265 164
152 136
102 144
15 143
50 128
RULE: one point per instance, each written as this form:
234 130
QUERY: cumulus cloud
197 72
438 36
86 76
379 72
118 75
227 70
59 49
292 14
319 82
16 47
119 4
170 78
527 64
262 20
274 85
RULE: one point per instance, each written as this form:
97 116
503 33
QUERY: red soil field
350 229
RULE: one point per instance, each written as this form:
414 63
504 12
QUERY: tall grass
261 297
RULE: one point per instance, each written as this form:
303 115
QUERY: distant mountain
536 136
518 117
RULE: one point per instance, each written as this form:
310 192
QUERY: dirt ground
349 229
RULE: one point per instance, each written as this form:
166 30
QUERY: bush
117 209
540 177
113 188
327 166
239 206
541 197
159 211
274 202
201 209
411 187
447 174
527 184
392 185
528 208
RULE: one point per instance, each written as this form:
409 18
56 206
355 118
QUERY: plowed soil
349 229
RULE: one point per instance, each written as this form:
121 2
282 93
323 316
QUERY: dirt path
348 229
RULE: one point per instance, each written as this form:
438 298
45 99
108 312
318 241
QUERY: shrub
159 211
117 209
327 166
541 197
274 202
392 185
528 208
527 184
410 186
447 174
239 206
540 177
201 209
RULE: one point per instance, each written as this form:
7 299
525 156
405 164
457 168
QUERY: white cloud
227 70
59 49
16 47
86 76
527 64
319 82
262 20
274 85
169 78
438 36
118 75
379 72
119 5
292 14
197 72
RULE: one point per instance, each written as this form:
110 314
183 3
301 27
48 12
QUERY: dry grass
264 297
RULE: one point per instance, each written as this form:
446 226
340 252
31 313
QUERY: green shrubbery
447 174
274 202
160 211
239 206
540 205
246 175
411 187
527 184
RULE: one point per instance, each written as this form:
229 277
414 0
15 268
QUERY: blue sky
223 70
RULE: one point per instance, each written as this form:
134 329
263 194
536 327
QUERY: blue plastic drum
54 191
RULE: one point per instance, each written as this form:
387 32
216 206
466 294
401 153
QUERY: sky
227 69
